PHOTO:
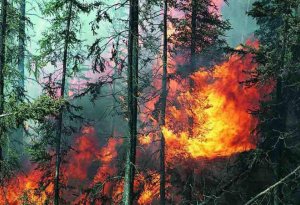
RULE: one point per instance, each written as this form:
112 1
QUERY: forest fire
149 102
24 188
218 105
222 127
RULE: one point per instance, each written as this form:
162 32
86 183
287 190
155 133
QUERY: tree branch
273 186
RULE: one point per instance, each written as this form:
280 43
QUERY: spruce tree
133 59
278 60
62 45
163 101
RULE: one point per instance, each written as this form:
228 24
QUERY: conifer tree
62 45
133 59
22 37
278 59
163 101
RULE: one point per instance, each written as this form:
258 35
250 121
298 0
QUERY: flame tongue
218 105
222 127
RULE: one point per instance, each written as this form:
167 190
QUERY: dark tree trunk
60 117
21 66
2 67
132 101
22 37
115 76
163 96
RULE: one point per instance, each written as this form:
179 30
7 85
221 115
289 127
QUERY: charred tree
133 48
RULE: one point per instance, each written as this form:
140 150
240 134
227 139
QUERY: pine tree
163 101
278 59
198 32
22 37
56 48
133 47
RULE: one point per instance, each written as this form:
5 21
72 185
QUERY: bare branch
273 186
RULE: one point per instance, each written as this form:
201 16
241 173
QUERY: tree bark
2 67
22 37
164 94
132 101
60 117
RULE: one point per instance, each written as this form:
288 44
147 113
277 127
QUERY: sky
235 11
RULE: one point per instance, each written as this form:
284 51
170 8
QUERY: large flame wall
219 105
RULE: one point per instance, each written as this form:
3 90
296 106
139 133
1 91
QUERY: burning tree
187 123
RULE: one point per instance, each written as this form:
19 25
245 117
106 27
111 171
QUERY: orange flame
218 105
22 190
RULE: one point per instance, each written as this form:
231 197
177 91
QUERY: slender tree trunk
22 37
132 101
115 75
21 67
60 117
164 94
2 66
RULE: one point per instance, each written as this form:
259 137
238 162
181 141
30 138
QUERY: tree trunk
22 37
164 94
2 67
132 101
21 68
60 117
115 75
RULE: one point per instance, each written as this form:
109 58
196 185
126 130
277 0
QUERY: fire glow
222 127
219 106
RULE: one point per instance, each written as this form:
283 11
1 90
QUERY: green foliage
209 26
278 65
52 43
39 109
